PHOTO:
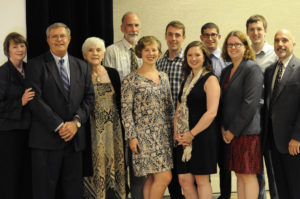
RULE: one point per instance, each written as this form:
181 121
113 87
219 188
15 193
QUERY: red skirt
244 154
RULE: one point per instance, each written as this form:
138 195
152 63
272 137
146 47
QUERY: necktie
133 61
64 76
276 83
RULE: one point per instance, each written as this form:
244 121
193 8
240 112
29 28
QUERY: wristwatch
78 124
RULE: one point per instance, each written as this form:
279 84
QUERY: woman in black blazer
14 118
106 147
241 84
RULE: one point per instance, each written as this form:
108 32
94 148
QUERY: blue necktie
64 76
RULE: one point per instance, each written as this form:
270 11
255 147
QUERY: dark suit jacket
51 106
239 105
13 116
285 114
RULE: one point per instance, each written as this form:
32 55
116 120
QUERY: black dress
204 153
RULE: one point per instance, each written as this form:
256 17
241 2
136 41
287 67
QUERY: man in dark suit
282 116
64 99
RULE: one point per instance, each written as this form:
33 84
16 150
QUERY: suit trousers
57 173
286 172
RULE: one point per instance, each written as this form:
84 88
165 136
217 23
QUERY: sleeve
9 108
252 88
110 58
127 101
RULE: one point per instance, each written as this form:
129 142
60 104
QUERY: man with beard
171 64
282 116
256 27
121 56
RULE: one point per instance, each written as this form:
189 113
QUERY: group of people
76 126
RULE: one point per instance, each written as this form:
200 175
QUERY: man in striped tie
65 97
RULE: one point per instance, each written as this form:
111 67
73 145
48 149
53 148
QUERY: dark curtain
85 18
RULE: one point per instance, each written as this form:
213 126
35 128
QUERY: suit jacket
285 115
13 116
239 105
51 106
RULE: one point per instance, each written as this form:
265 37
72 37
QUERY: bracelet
191 134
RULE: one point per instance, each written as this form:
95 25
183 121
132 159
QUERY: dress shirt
118 55
65 64
266 57
173 68
285 63
217 62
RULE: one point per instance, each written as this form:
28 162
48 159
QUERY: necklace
97 77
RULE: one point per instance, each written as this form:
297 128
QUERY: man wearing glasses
210 37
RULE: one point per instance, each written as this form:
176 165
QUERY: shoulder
112 72
4 70
251 65
114 46
129 78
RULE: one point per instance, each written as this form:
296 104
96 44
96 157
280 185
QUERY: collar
178 56
126 44
287 61
217 53
56 58
265 48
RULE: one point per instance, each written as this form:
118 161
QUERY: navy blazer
239 105
13 116
285 114
51 106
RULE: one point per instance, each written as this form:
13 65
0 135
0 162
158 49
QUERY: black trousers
57 173
15 181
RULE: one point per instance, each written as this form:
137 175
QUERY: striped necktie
277 83
64 76
133 59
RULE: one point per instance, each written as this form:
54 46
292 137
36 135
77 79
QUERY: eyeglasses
62 36
212 35
236 45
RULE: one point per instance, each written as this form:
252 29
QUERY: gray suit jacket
285 116
51 106
239 106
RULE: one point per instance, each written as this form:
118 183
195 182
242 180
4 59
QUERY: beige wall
228 15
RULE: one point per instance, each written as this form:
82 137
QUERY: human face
150 54
210 38
235 48
283 44
195 58
17 51
131 28
58 41
94 55
256 32
174 37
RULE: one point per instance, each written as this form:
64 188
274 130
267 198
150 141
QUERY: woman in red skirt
241 84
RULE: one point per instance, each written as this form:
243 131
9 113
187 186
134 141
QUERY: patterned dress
147 112
107 147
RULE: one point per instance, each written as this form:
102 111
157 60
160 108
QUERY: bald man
282 116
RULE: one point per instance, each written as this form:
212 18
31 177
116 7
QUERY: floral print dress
147 113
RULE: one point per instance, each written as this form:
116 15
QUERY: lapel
52 67
286 76
15 75
73 75
234 76
269 79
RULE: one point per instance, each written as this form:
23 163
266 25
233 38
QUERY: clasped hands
184 139
68 130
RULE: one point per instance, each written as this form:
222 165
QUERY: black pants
57 173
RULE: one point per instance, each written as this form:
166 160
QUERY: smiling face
150 53
195 58
131 28
58 41
174 37
17 51
283 44
256 32
94 55
235 48
210 38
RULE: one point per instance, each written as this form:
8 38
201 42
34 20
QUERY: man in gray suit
282 116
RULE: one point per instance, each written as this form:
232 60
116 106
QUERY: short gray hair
57 25
92 41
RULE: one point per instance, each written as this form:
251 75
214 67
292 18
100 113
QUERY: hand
68 131
294 146
185 139
27 96
227 136
134 145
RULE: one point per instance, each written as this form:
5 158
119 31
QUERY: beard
132 37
